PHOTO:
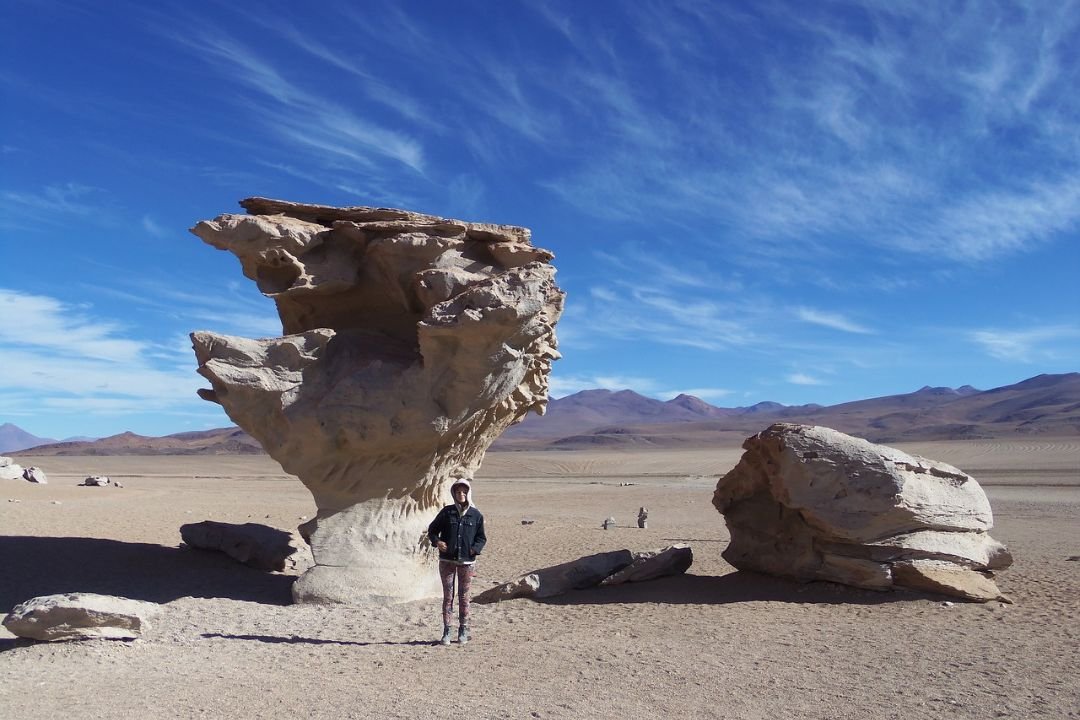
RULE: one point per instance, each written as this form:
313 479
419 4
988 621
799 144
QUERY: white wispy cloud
231 310
153 227
993 223
62 199
1028 345
799 378
918 184
835 321
295 113
69 360
59 329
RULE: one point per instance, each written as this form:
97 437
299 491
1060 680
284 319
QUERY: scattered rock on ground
35 475
815 504
9 469
258 546
652 564
80 616
96 481
608 568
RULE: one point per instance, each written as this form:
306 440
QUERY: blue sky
788 201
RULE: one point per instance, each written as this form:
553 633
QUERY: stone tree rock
410 343
815 504
80 616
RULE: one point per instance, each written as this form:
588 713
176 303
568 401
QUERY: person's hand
442 546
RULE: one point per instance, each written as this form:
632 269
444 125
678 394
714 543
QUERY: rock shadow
736 587
32 566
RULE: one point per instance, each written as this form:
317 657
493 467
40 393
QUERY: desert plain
714 643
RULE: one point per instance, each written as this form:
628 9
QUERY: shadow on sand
736 587
296 639
32 566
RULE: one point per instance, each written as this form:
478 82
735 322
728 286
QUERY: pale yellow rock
947 579
411 342
813 503
80 616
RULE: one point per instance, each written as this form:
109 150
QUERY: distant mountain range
220 441
13 437
1045 405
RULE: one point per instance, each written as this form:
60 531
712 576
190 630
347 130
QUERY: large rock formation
816 504
411 342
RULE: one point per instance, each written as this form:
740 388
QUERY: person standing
458 533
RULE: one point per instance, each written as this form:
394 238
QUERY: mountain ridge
1043 405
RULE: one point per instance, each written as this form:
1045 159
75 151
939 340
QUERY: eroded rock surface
80 616
816 504
410 343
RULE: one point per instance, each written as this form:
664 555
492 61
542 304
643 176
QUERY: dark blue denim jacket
463 534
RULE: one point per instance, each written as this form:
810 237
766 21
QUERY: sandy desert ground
713 643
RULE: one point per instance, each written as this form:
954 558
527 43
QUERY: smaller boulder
95 481
652 564
80 616
9 469
558 579
259 546
35 475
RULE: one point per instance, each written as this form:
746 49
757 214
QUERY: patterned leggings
464 573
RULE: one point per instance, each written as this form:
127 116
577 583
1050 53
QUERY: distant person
458 532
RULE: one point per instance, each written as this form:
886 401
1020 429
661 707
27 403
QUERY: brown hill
220 441
1046 405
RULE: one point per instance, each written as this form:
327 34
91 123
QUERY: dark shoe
445 635
463 634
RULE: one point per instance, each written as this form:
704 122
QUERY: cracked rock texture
410 343
815 504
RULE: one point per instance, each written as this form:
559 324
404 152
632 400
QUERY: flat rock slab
259 546
80 616
608 568
652 564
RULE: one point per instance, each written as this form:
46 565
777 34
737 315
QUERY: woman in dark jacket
458 532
